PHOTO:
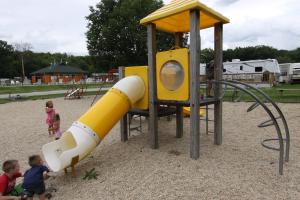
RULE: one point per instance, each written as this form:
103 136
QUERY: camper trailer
289 72
251 71
284 73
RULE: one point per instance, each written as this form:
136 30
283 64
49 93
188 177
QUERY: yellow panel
187 111
182 57
179 9
141 71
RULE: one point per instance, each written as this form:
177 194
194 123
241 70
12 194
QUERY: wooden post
123 121
153 107
218 62
179 111
74 161
194 82
179 121
178 40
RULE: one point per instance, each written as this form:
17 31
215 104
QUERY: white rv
258 71
252 71
290 72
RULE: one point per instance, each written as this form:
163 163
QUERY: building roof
237 61
59 69
174 17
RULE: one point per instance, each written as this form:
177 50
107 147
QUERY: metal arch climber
280 139
267 123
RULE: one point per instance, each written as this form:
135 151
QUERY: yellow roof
174 17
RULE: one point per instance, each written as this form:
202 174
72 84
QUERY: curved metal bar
238 99
286 128
280 139
235 97
269 147
267 123
253 106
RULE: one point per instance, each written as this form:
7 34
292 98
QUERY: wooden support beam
218 62
123 121
179 121
178 40
179 110
194 82
153 119
74 161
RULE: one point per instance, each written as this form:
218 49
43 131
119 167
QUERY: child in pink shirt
56 127
50 116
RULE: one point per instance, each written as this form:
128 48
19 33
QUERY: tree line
254 53
115 38
11 60
11 63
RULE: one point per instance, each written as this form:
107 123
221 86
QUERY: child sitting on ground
8 190
34 178
50 116
56 127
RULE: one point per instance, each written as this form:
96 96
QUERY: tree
6 60
115 37
22 48
207 55
295 55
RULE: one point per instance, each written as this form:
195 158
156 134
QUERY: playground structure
170 79
76 91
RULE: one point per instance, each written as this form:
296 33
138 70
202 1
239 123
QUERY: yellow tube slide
88 131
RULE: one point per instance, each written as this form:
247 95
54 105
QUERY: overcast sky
60 25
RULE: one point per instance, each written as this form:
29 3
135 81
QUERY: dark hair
48 103
34 160
56 117
9 165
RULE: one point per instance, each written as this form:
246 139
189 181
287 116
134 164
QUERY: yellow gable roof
174 17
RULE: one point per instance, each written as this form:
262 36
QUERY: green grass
40 88
2 101
286 97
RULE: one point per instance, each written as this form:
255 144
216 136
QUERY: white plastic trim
88 130
132 86
57 153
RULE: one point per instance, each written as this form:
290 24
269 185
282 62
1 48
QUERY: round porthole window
171 75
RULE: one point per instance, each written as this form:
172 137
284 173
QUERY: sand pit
238 169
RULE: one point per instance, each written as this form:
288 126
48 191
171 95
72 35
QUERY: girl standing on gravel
50 116
56 127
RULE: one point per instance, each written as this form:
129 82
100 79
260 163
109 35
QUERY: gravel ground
238 169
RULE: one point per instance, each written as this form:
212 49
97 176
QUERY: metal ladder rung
267 123
253 106
270 147
238 99
137 128
210 120
235 97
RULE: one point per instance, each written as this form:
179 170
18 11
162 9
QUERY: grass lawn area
288 96
40 88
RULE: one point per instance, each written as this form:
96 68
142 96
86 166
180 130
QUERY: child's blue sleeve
44 168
